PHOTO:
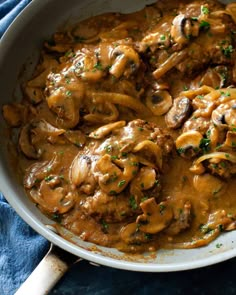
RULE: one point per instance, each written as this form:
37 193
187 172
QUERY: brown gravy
118 118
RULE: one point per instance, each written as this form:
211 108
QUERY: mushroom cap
179 112
188 143
159 102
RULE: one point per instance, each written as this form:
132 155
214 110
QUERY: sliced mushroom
106 129
177 31
230 140
218 116
45 128
113 178
188 143
39 170
125 61
231 10
65 106
53 199
146 178
25 143
131 234
155 216
179 112
150 152
159 102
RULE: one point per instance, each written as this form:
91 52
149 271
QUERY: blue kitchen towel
17 239
21 249
9 9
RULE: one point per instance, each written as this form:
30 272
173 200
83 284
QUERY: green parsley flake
68 93
98 66
204 10
121 183
204 24
133 203
227 51
205 144
162 37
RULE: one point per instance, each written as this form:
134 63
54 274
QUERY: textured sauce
126 129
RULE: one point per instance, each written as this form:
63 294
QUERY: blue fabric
21 249
9 9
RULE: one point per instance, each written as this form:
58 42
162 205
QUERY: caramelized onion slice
106 129
197 165
120 99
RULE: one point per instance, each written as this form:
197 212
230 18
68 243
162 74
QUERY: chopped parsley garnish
56 217
48 178
204 10
223 164
181 151
162 37
105 226
226 94
113 193
227 51
144 198
205 144
133 203
114 157
112 178
221 227
148 236
200 96
121 183
205 229
68 93
204 24
108 148
162 208
218 245
98 66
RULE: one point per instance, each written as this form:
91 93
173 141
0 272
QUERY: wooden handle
49 271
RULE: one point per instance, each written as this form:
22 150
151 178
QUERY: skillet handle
49 271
